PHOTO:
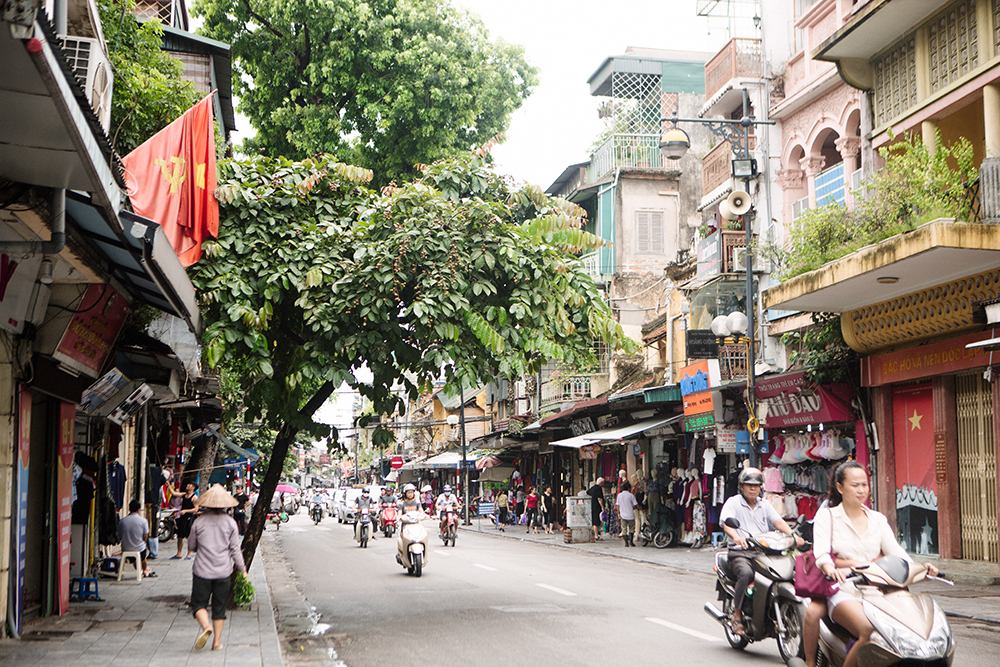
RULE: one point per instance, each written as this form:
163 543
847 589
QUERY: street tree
314 275
383 83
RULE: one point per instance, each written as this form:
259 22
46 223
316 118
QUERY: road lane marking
560 591
681 628
442 553
485 567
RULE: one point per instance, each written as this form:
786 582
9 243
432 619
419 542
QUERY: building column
989 172
812 166
790 182
849 148
928 130
886 455
946 468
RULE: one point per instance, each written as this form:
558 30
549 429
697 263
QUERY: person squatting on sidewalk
215 539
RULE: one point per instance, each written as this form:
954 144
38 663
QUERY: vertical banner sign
916 484
21 506
67 420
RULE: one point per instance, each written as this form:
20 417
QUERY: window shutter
642 231
649 232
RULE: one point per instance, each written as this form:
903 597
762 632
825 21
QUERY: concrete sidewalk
965 600
148 624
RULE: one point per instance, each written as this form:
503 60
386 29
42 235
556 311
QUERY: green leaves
410 281
387 84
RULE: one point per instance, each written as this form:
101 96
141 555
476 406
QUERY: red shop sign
792 401
924 361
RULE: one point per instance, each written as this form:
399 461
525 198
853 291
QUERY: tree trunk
285 437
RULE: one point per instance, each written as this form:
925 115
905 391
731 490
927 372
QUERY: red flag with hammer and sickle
171 180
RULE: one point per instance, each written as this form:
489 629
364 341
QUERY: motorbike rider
361 503
446 501
317 499
755 517
410 501
387 499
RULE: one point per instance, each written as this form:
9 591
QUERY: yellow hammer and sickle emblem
175 177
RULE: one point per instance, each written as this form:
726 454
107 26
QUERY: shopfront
936 460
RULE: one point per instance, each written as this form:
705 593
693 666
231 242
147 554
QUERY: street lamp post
673 145
463 465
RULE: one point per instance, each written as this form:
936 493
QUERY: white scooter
910 628
412 543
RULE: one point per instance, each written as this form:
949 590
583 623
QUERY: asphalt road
494 601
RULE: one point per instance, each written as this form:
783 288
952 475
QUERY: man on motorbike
317 500
361 504
446 501
755 517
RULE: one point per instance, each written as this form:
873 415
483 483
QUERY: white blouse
865 547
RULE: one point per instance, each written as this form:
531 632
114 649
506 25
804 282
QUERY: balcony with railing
565 389
627 151
738 58
716 165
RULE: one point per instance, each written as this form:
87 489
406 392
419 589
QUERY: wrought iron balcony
628 151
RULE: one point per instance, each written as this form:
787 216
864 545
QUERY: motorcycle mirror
733 522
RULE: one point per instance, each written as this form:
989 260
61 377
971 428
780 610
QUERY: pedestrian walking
625 507
596 493
639 491
215 539
531 507
502 503
242 505
184 518
519 503
548 509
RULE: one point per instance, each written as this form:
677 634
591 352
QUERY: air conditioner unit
740 261
520 389
93 68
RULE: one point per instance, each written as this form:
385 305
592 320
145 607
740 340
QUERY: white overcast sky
567 40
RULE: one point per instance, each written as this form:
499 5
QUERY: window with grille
953 45
649 232
896 81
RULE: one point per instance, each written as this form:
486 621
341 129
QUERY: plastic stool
718 539
136 557
83 588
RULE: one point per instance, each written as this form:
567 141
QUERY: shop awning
617 432
442 461
622 432
496 474
252 456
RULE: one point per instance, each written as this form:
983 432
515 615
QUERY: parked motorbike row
910 628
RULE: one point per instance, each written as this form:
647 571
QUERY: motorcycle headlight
895 637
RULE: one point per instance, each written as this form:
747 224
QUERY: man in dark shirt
240 511
596 493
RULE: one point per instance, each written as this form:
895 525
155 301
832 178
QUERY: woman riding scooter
858 536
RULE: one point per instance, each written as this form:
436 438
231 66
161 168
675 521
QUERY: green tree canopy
382 83
148 91
313 275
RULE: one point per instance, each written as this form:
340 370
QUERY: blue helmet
447 488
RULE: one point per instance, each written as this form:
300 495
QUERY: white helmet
409 487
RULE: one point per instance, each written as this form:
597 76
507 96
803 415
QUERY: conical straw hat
217 497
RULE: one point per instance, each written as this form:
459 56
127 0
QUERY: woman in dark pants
215 539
